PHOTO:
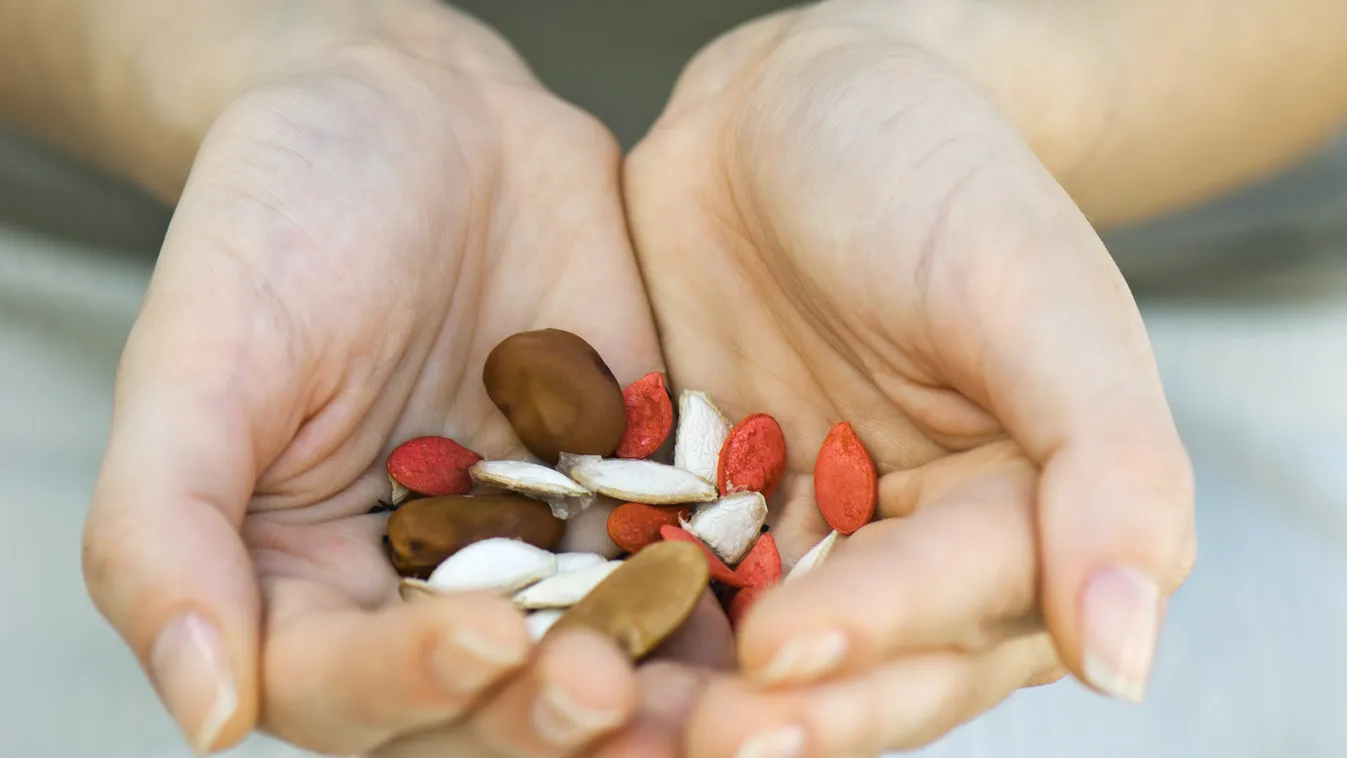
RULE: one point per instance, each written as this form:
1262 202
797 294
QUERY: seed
716 567
526 478
643 482
565 497
742 600
564 590
539 622
576 561
557 394
430 466
568 461
632 526
753 457
412 590
702 430
816 555
649 417
844 480
423 533
645 601
730 525
762 565
493 565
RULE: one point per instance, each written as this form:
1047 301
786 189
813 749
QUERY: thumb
1063 360
163 558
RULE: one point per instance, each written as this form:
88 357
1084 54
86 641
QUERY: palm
397 249
807 257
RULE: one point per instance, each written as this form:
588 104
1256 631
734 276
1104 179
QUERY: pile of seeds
463 523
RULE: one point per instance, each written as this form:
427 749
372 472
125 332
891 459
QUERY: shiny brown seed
645 600
422 533
557 393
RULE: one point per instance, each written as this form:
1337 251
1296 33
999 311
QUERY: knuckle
106 543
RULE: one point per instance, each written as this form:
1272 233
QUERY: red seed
432 466
743 599
632 526
753 457
845 484
762 565
719 571
649 417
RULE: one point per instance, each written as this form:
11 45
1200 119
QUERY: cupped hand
355 236
832 226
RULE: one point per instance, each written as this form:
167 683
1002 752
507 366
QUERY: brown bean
557 393
645 600
422 533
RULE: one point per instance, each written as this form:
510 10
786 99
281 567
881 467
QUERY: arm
133 85
1143 106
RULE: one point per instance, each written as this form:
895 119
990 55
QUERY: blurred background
1246 300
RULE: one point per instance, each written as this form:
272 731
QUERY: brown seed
645 600
422 533
557 393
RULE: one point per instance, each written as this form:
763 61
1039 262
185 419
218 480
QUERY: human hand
358 230
831 226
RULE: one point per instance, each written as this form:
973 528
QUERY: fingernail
560 720
1122 609
191 672
784 742
466 662
805 659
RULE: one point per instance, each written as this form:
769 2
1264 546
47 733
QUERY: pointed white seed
526 478
702 430
565 590
494 565
730 525
816 555
641 481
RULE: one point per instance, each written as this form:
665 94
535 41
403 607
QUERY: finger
903 491
342 681
580 690
901 705
669 691
1063 360
198 403
960 572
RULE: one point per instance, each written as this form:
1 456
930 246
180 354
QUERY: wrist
154 110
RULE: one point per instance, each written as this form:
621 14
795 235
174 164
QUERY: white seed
400 493
730 525
576 561
814 557
540 621
568 461
565 590
412 590
702 430
526 478
641 481
496 565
